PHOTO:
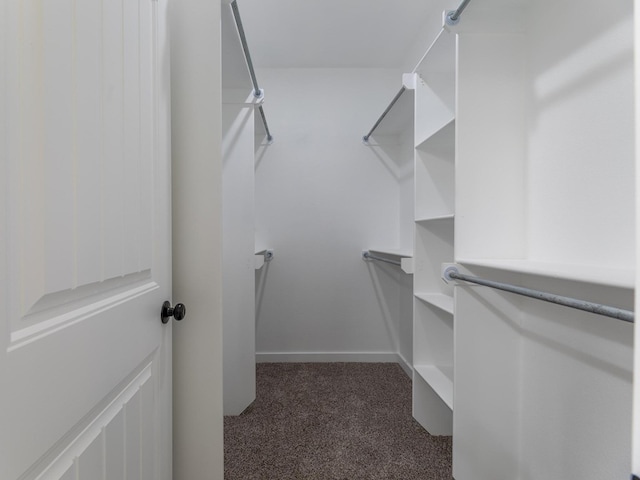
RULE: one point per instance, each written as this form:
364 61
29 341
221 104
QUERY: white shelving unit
434 208
524 174
544 198
240 125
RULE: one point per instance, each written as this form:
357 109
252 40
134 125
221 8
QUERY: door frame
196 86
635 444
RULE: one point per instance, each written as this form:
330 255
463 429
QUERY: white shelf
436 218
442 136
440 379
394 252
434 246
435 174
405 256
614 277
438 300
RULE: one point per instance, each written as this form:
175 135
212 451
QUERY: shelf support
451 273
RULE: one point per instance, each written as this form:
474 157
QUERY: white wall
321 198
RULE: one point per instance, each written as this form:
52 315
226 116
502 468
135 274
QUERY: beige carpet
332 421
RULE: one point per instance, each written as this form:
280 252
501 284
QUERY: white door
85 364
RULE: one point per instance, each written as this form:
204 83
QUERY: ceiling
332 33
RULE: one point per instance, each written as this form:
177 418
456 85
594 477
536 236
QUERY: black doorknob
178 312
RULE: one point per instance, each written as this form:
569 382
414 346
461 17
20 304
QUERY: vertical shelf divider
433 304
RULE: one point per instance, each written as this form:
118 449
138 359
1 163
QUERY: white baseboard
406 366
320 357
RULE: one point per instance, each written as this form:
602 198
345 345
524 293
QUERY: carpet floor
332 421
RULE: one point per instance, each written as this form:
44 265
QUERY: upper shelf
404 256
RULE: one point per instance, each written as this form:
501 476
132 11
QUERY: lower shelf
430 409
439 300
440 379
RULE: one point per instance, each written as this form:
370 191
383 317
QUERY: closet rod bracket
448 270
449 20
453 17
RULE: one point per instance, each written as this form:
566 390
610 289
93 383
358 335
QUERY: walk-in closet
449 187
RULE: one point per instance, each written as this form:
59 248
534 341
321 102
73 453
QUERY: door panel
84 359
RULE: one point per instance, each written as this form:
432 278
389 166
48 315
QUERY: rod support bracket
447 270
365 255
448 18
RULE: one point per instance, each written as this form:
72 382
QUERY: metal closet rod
384 114
264 122
452 18
451 273
368 256
247 56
